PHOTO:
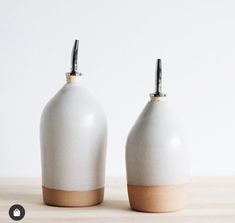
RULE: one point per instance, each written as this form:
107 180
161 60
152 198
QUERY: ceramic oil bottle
73 145
156 159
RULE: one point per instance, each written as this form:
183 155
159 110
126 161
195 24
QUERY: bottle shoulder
156 124
73 100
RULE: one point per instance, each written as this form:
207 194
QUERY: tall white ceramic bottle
156 158
73 145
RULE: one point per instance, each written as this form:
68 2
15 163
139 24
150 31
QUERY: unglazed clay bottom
157 198
72 198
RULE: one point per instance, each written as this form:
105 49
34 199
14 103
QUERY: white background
119 43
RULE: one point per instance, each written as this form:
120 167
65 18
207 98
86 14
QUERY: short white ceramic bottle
156 158
73 145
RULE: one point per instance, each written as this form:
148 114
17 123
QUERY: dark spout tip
159 61
76 44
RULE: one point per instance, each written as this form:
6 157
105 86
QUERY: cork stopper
71 79
158 98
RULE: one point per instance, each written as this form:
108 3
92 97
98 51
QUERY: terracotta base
157 198
72 198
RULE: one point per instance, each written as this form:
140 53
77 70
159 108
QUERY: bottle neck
72 79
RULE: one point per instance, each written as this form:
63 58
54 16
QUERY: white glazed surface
155 153
73 141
